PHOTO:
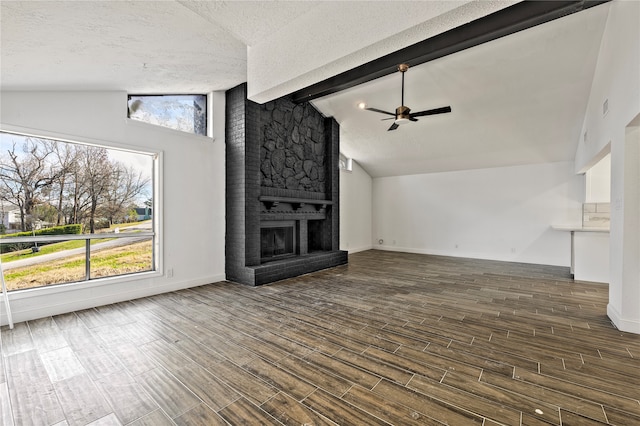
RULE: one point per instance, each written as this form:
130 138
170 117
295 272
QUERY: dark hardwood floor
391 338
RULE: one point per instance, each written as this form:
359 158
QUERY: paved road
73 252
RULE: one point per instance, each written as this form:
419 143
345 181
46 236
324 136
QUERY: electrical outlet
170 273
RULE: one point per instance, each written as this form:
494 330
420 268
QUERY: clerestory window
187 113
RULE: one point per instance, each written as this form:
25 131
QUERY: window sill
80 285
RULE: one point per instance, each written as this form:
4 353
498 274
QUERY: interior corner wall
598 182
355 210
192 193
499 213
616 82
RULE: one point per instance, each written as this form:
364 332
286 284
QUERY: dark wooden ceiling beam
507 21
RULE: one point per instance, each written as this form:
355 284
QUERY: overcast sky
141 162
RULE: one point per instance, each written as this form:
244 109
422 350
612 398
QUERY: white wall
355 210
501 213
191 218
616 80
598 181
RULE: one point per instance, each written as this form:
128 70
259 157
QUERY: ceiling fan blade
380 111
412 119
385 119
393 126
431 112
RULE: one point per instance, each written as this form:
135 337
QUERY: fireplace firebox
315 236
277 240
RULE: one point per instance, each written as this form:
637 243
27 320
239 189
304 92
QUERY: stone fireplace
282 190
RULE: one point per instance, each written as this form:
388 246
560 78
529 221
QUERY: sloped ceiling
141 47
184 46
520 99
516 100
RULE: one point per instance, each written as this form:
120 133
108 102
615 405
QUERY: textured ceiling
251 22
172 46
146 47
136 46
340 35
516 100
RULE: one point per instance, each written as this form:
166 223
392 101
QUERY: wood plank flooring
389 339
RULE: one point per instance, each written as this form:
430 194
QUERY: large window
73 212
187 113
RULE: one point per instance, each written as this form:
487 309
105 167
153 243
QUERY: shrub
102 224
56 230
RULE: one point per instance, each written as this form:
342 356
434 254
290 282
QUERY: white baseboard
458 253
630 326
359 249
48 303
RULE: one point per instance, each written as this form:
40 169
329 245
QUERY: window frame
157 190
208 105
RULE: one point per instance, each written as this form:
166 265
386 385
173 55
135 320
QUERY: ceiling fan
403 114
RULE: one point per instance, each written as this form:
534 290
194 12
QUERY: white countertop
578 228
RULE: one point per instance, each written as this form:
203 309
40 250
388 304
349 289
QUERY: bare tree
96 179
79 184
25 175
77 194
126 185
66 155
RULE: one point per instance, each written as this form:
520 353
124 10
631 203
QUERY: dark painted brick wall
249 139
235 183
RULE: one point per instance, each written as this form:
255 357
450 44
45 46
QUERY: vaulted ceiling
516 100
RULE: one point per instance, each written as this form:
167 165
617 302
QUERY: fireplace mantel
296 203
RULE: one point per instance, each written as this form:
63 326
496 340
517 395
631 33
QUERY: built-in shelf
296 203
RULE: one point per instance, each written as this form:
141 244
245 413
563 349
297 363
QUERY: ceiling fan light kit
403 113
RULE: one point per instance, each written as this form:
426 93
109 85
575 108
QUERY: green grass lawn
47 249
121 260
122 225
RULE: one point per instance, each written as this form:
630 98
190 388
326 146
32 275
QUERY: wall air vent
605 107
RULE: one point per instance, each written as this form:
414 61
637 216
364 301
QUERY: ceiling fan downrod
403 68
